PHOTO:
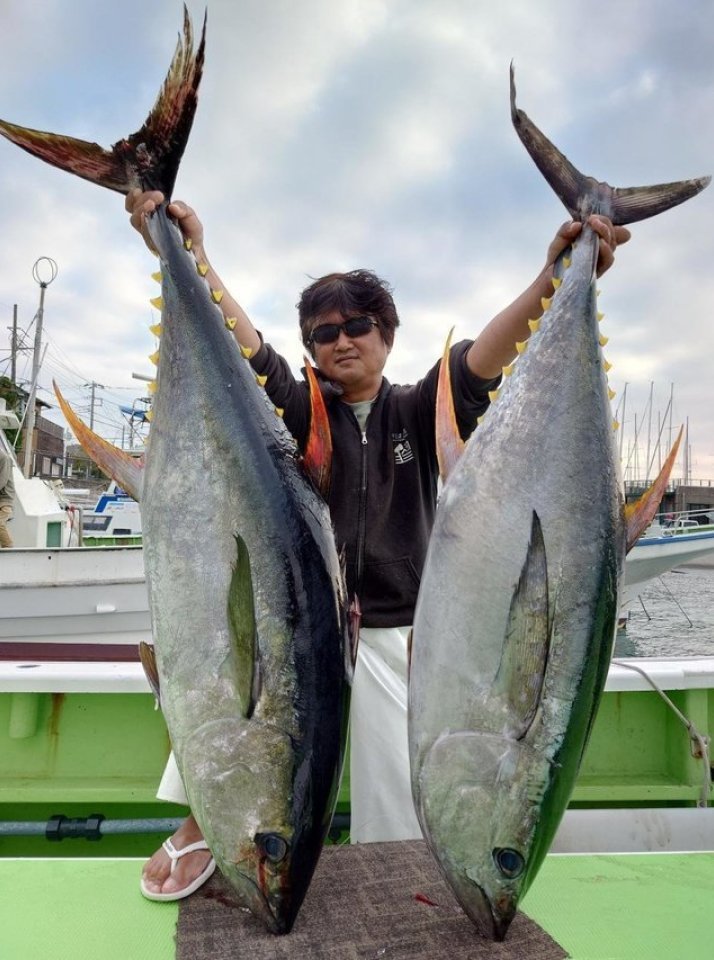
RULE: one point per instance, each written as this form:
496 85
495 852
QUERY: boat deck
615 907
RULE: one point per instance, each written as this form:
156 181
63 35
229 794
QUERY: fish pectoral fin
317 458
449 444
243 666
640 513
520 675
126 470
147 655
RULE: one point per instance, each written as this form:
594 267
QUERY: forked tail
148 159
584 195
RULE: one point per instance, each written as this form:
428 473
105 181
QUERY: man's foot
190 869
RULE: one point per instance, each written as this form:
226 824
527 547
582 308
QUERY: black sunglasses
330 332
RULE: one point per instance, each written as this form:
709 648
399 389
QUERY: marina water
674 616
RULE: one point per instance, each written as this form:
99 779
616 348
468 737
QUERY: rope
702 742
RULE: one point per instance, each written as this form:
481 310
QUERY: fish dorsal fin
519 680
243 666
317 459
149 158
640 514
147 655
126 470
583 195
449 445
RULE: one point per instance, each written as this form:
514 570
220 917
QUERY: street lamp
44 272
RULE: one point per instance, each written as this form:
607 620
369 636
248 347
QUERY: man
382 501
7 497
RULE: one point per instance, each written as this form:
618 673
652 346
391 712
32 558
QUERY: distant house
47 437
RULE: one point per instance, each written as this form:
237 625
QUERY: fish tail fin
584 195
317 459
449 445
148 159
119 465
640 514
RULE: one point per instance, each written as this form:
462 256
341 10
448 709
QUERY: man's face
356 362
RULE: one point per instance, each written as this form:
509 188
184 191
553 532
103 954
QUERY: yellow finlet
188 243
202 268
155 328
604 340
154 358
149 415
246 351
157 302
261 380
545 302
279 411
534 325
600 316
231 322
479 420
521 346
607 365
556 281
615 425
507 371
492 395
158 276
611 394
152 386
566 262
216 296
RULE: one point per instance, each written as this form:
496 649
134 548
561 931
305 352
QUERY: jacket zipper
362 514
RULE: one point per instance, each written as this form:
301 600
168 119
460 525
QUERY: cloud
340 133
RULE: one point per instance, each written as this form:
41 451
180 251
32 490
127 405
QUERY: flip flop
175 856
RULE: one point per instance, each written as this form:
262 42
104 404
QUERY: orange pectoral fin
317 459
639 515
449 445
119 465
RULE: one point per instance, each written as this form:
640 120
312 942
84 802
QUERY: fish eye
272 846
509 862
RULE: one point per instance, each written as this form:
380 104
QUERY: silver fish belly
516 614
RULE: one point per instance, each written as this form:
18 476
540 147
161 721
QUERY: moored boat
682 539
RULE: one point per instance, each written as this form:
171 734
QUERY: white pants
380 789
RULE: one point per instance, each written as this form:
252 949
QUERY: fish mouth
277 912
492 918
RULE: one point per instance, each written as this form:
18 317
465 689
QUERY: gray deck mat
376 901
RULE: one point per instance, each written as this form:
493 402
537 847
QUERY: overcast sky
334 134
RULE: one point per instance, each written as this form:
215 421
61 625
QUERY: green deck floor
628 907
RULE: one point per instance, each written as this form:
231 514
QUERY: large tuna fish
517 609
244 580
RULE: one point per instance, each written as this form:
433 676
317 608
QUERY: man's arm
495 347
5 469
139 205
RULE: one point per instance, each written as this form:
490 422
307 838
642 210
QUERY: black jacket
382 496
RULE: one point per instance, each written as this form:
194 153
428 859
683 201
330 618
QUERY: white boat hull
653 556
73 596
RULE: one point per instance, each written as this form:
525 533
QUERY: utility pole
51 267
13 346
93 386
